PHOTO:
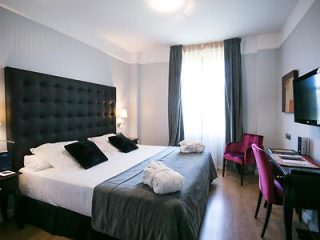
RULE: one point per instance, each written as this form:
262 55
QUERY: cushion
86 153
235 157
103 143
56 155
35 163
123 143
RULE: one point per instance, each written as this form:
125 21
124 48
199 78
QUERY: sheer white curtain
203 99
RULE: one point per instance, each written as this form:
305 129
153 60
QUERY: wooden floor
229 215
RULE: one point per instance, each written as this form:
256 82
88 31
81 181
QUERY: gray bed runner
123 207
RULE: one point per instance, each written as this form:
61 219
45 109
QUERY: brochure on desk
291 158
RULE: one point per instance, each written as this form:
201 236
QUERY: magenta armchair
269 188
241 152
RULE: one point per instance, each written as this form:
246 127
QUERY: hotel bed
73 189
41 108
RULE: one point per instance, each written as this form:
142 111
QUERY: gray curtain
176 133
233 90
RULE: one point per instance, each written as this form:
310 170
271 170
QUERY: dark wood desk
302 190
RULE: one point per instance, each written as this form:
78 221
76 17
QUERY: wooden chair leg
266 221
224 167
265 205
258 204
242 173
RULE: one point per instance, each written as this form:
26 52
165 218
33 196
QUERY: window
203 98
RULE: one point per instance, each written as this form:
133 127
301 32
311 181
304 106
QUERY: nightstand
135 140
9 185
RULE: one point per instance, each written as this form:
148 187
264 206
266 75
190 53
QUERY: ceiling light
167 6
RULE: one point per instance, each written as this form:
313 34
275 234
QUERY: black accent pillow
123 143
86 153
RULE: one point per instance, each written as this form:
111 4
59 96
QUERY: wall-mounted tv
306 94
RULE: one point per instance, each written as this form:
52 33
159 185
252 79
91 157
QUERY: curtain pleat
233 90
175 118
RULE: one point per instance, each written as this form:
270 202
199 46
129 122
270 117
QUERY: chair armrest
233 147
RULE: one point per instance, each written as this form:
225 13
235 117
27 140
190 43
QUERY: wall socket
287 136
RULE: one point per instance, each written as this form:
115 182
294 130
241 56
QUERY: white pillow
35 163
103 143
56 155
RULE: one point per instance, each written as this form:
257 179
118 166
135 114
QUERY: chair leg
224 167
258 204
266 220
242 173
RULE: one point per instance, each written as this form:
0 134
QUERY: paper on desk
299 162
298 157
296 163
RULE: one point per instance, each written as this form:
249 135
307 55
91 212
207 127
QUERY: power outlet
288 136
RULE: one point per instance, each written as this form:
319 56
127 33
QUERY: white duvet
73 189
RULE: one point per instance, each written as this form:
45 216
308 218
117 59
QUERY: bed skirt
58 221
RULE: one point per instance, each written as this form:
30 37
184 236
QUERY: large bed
42 108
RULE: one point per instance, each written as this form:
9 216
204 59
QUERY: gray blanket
125 208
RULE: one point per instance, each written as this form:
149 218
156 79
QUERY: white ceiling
132 26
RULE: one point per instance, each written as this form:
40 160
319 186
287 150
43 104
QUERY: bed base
58 221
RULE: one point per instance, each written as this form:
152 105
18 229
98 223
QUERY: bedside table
135 140
9 185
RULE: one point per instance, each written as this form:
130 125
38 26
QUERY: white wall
300 51
27 45
153 102
259 94
267 82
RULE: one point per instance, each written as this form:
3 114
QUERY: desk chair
269 188
241 152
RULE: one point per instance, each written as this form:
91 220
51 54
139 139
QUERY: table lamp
122 115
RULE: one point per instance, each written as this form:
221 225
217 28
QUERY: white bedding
73 189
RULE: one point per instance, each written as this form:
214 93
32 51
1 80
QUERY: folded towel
149 171
161 178
167 181
191 146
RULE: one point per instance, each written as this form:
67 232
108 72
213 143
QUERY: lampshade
123 113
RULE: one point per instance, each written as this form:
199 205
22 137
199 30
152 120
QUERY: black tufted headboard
43 108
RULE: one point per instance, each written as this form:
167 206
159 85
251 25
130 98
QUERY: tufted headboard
43 108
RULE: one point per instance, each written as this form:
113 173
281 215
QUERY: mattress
73 189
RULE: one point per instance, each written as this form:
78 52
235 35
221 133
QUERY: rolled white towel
161 178
149 171
199 147
186 149
191 146
167 181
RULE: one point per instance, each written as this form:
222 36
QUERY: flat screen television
306 95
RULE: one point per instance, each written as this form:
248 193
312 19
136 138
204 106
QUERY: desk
302 190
